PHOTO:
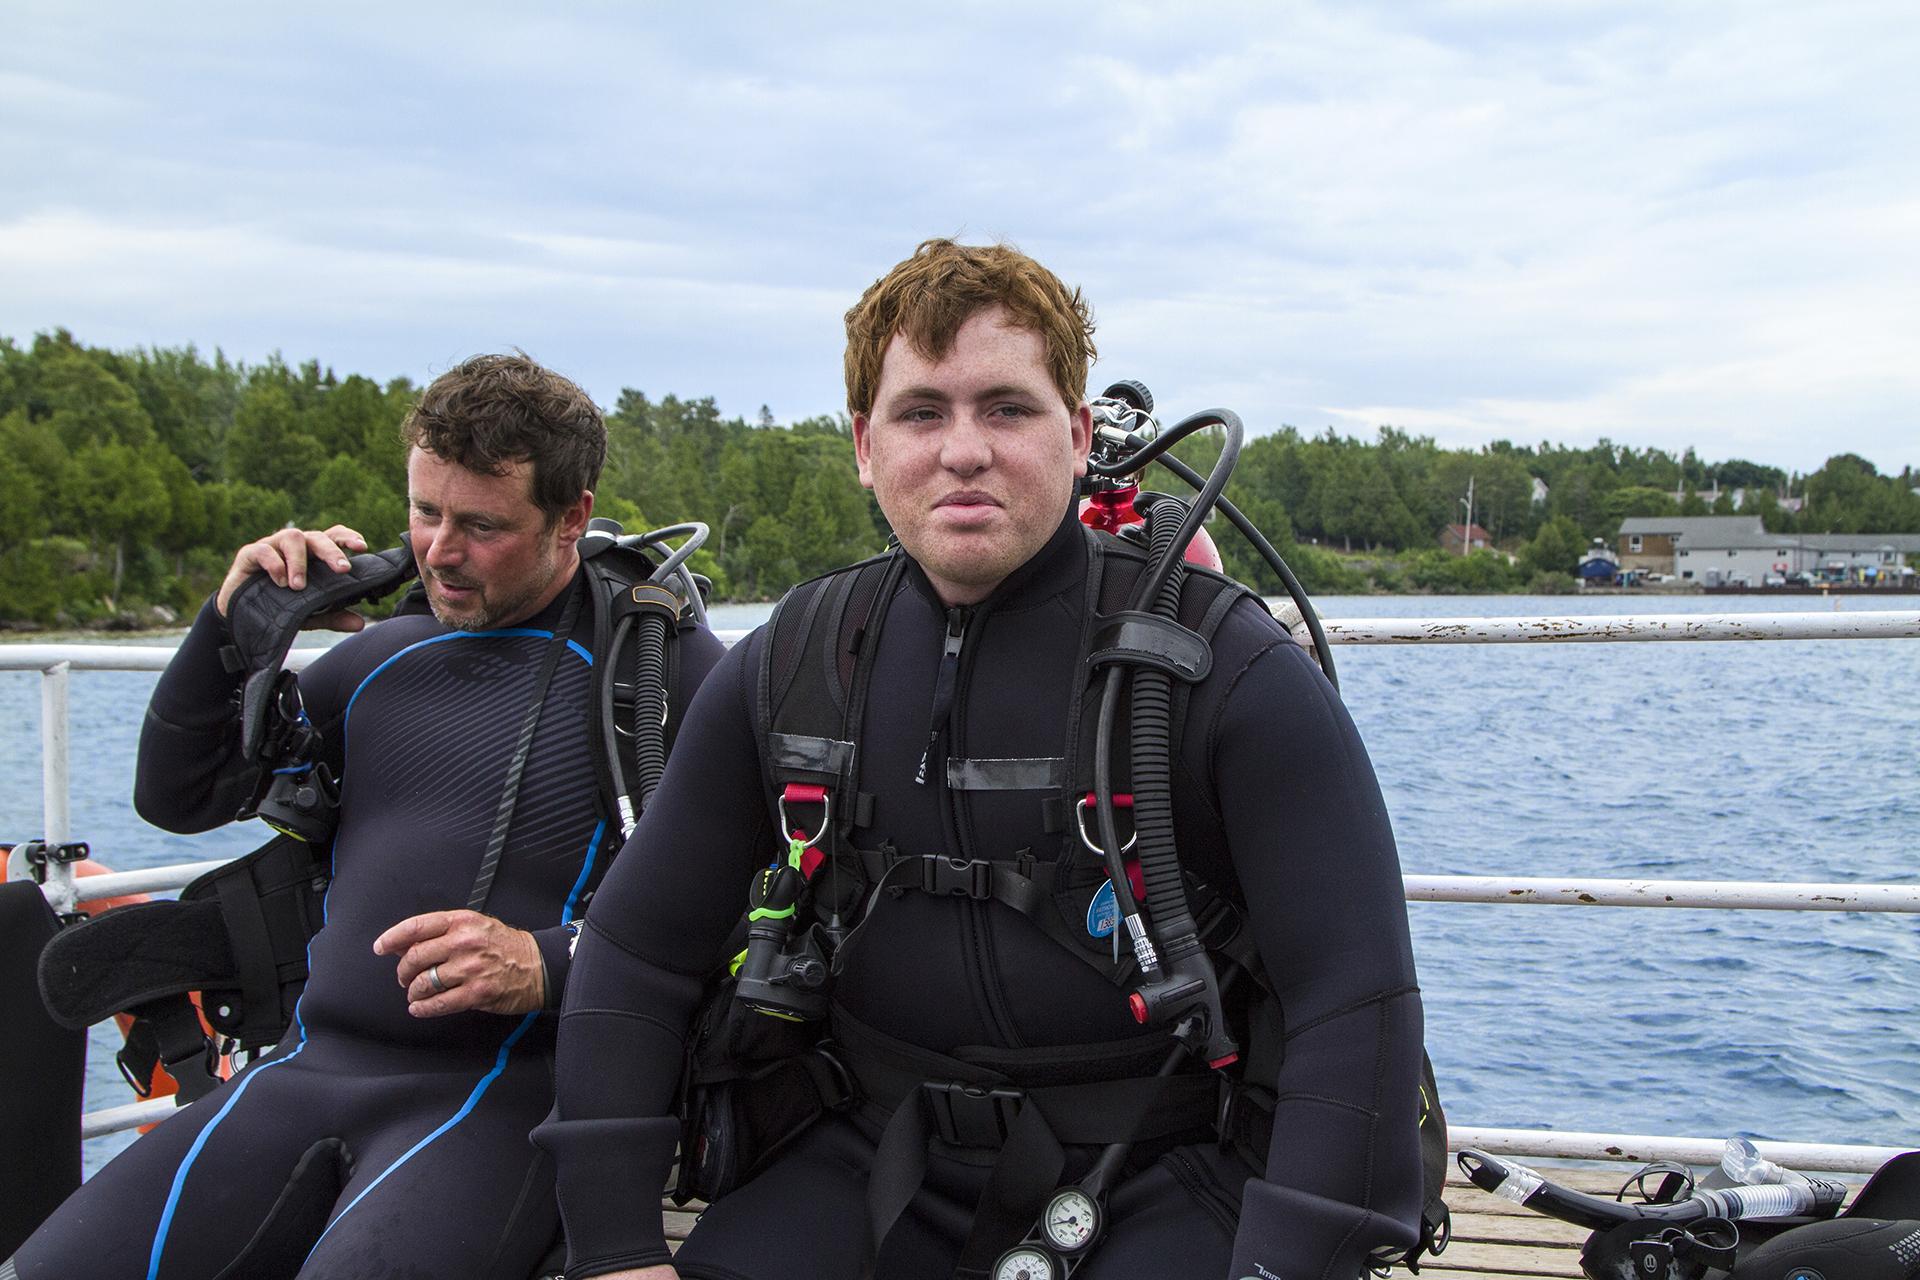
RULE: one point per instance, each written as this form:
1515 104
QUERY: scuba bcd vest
759 1070
238 935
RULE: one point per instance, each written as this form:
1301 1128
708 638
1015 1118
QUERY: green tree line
128 478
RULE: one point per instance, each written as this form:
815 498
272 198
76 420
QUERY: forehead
989 351
454 488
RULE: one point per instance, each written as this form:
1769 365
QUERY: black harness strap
1149 640
510 794
920 1096
167 1032
253 950
802 753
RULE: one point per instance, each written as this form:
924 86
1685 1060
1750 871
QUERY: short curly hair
926 299
491 411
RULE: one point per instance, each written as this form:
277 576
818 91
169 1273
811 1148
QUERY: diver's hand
661 1272
482 963
282 556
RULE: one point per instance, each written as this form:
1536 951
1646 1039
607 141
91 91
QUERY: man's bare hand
661 1272
480 963
283 556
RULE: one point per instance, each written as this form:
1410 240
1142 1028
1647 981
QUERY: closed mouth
968 498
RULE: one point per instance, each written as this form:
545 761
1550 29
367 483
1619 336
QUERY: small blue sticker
1103 913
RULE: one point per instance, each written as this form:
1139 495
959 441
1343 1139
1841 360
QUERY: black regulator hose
650 623
1229 421
1156 450
1151 733
650 706
1110 848
1321 649
1178 979
1523 1186
612 754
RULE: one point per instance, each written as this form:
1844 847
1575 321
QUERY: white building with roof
1717 550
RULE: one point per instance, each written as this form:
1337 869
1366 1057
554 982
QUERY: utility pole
1466 530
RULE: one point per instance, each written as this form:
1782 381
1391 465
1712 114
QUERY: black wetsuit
1275 801
420 723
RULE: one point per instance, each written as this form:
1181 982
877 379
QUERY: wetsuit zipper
955 679
946 681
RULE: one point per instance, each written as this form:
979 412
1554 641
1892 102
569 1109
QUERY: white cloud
1668 223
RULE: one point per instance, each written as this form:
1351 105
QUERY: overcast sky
1671 224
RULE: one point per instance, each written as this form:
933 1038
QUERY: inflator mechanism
784 970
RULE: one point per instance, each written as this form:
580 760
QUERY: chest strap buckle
971 1115
958 877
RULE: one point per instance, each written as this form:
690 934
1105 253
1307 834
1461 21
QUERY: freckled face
972 458
488 555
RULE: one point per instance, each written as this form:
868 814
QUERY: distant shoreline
17 634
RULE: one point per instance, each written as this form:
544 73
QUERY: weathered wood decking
1491 1237
1495 1237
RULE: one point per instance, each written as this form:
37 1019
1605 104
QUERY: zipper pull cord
943 686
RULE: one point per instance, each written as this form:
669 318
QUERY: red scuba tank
1109 510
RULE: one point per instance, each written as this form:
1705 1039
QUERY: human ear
863 448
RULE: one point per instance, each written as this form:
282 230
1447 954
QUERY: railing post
56 826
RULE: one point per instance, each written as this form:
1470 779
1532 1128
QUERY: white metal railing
1865 625
1641 1148
1750 895
56 661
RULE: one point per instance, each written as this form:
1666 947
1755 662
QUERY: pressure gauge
1071 1221
1024 1263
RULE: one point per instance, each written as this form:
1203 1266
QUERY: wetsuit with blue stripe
431 1115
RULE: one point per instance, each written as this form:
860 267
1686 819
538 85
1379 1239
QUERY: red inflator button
1138 1003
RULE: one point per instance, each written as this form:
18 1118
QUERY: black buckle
972 1115
846 1090
1244 1122
40 855
958 877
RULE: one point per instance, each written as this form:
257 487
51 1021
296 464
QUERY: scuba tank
1122 420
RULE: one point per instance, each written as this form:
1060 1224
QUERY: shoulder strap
1113 633
813 681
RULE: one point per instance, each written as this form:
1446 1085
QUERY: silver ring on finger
433 977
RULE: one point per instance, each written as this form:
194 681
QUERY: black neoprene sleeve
659 922
1315 857
188 780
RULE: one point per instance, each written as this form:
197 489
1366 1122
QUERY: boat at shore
1488 1239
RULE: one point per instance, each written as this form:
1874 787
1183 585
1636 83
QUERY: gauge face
1024 1263
1070 1220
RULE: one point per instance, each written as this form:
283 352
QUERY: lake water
1791 760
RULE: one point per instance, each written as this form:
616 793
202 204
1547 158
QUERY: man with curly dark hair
387 1133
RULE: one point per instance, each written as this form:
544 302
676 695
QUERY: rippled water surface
1791 760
